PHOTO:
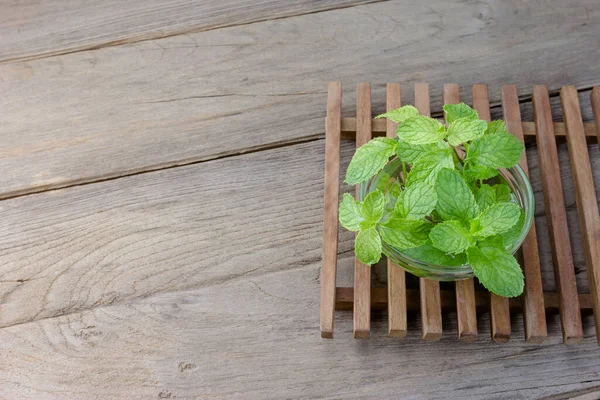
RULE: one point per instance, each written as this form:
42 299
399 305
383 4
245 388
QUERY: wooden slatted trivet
429 299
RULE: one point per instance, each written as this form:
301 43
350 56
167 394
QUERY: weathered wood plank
32 28
585 196
534 313
396 275
330 214
557 218
191 226
247 337
362 272
466 313
499 309
431 311
92 245
116 111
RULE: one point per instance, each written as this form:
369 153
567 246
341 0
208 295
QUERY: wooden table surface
162 191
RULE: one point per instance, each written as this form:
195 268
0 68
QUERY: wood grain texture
595 100
330 205
246 337
136 107
557 218
499 309
466 313
362 272
396 275
431 311
585 195
49 28
534 313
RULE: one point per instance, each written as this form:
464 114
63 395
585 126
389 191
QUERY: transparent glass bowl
514 177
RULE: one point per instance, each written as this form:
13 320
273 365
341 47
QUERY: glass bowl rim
525 198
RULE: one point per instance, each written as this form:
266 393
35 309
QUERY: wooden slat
528 128
396 275
379 299
585 195
431 311
533 298
465 289
330 216
499 309
595 100
557 217
362 272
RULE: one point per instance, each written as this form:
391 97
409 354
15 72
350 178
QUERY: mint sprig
443 208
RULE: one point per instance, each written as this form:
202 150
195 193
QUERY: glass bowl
514 177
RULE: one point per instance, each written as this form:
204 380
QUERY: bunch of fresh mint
442 208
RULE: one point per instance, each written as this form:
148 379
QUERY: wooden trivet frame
429 299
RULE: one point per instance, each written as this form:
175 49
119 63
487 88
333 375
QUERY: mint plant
444 207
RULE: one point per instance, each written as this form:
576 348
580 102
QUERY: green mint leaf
349 213
426 167
400 114
503 193
404 233
455 199
420 130
510 236
383 181
418 200
395 189
496 269
495 151
473 172
399 206
495 127
373 206
485 196
458 111
464 130
495 220
429 254
367 246
369 159
411 152
451 237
